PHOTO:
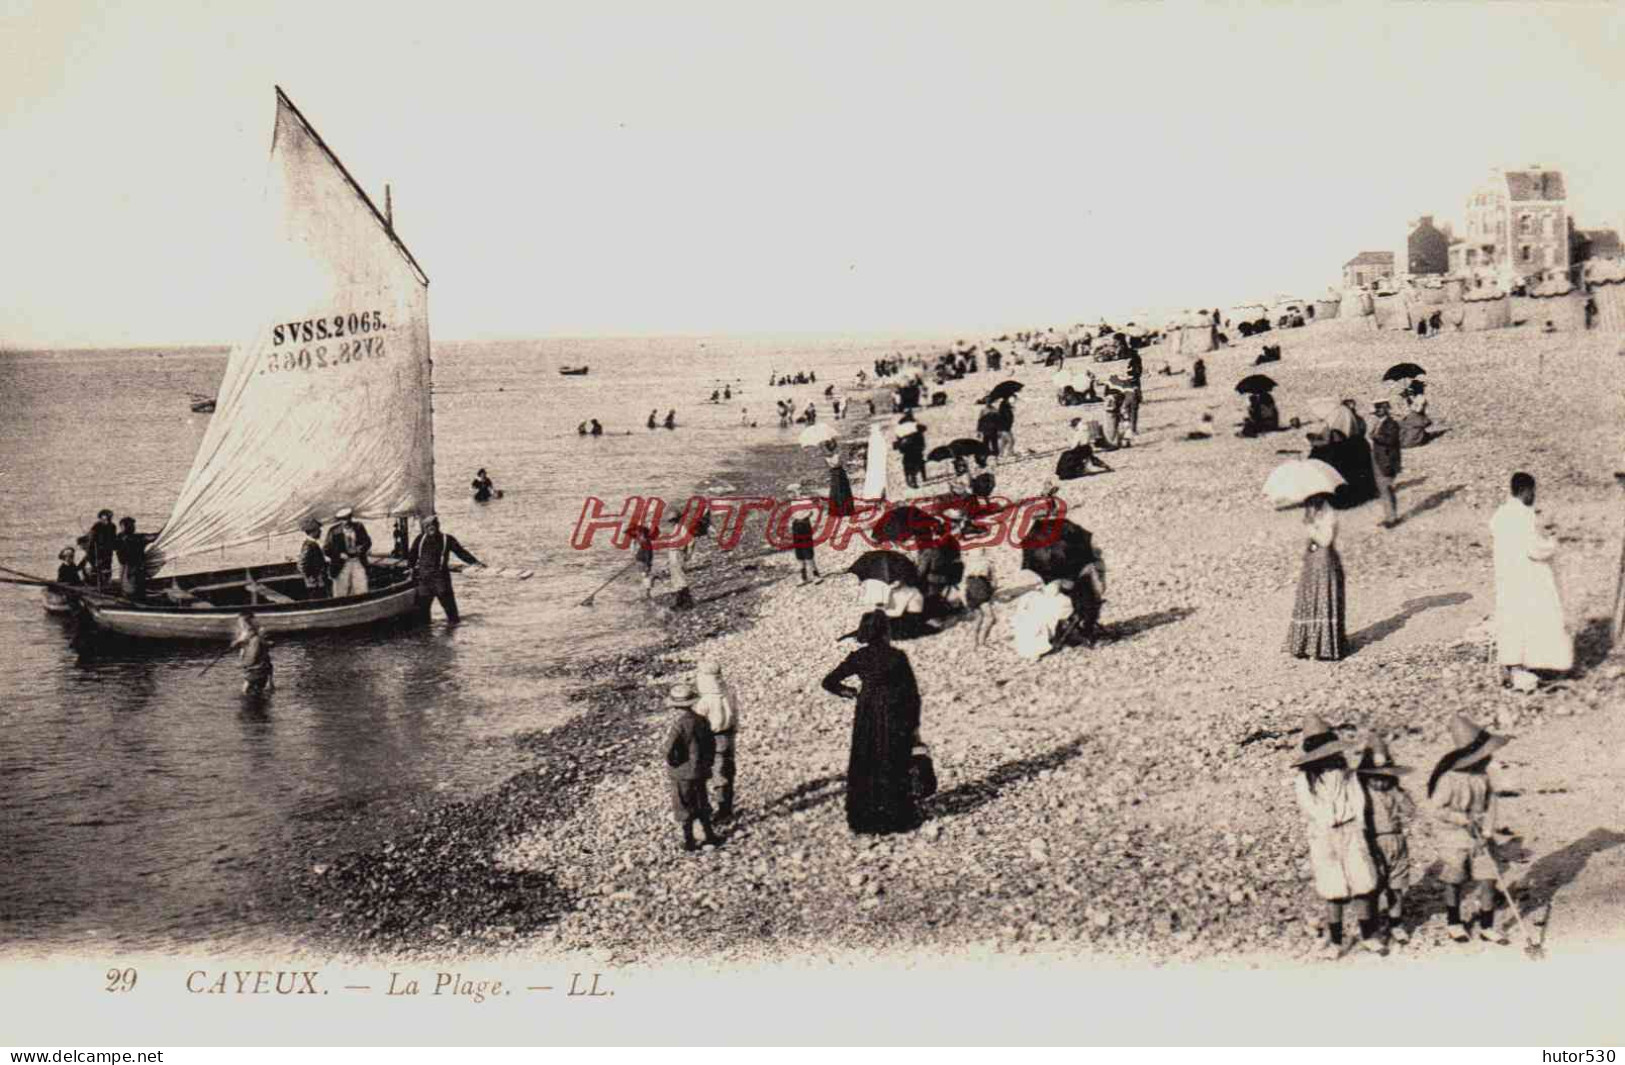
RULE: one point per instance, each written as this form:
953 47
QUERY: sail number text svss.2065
321 356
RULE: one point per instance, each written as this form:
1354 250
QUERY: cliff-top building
1517 227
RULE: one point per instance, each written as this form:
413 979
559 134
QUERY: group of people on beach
1357 818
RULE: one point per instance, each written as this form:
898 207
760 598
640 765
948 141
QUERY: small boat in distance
202 404
573 371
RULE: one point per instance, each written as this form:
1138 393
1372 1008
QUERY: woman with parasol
886 718
1334 810
1317 629
1262 414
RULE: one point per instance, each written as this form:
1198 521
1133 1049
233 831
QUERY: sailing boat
325 405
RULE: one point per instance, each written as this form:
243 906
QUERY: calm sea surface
137 792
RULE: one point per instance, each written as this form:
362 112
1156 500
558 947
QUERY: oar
27 583
217 659
26 576
618 574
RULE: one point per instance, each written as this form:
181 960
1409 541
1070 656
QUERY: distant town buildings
1428 248
1367 268
1517 227
1588 244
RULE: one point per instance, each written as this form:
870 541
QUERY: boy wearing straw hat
1334 809
690 750
1388 810
1463 799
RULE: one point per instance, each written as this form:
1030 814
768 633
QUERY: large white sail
326 405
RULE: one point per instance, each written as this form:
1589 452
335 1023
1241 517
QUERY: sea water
141 795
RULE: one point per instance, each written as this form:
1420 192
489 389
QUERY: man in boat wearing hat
347 547
1463 799
429 556
103 548
690 750
313 560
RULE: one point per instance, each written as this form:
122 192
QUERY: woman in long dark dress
840 485
879 791
1318 627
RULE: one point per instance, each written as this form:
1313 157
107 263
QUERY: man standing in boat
347 547
103 547
429 555
313 561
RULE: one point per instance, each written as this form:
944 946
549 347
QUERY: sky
618 169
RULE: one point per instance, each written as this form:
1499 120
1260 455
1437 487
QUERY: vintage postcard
737 523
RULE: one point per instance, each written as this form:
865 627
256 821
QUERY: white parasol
1293 482
816 435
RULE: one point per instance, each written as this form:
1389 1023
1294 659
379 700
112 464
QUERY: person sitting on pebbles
690 751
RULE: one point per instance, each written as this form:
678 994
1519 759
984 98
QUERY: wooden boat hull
56 602
201 621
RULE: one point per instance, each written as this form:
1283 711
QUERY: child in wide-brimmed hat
1388 813
1334 809
1463 804
690 750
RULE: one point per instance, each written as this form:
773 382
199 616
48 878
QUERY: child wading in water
1463 803
690 749
1333 806
1388 812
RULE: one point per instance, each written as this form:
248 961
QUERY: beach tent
1483 309
1427 295
1326 307
1453 288
1605 283
1392 312
1356 304
1188 334
1556 301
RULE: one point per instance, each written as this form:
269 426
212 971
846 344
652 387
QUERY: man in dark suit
347 548
429 555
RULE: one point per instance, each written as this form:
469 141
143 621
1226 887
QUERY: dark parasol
1256 382
1401 371
885 566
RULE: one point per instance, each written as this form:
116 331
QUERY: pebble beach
1130 800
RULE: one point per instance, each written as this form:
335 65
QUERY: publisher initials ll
589 992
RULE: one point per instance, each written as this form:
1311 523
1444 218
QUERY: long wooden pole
1616 627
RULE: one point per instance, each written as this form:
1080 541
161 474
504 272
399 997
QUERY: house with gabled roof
1367 268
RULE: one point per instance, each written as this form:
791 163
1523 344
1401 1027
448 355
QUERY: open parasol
1002 390
886 567
909 526
1256 382
1293 482
963 448
1057 549
816 435
1335 413
1401 371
